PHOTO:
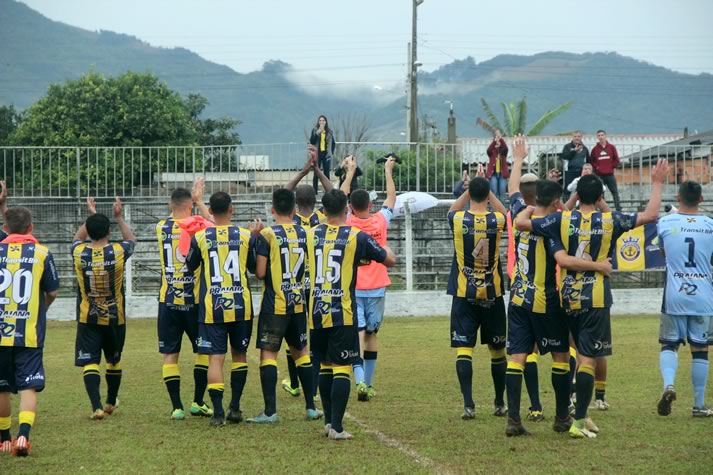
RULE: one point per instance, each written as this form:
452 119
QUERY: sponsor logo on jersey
7 330
688 289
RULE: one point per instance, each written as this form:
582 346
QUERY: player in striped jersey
307 217
101 307
177 307
476 284
534 314
224 253
281 263
335 250
586 296
29 286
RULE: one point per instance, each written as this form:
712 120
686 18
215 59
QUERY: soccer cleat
371 392
98 415
343 435
202 411
327 428
262 418
515 428
468 413
667 398
562 425
601 405
535 416
500 410
578 431
217 421
178 415
6 447
313 414
287 386
590 425
702 412
236 417
362 392
21 447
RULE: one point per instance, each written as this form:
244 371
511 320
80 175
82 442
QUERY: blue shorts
20 369
677 329
93 340
173 322
370 313
213 337
550 331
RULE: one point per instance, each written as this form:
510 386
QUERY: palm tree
515 115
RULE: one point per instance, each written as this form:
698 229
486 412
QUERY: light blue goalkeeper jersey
687 240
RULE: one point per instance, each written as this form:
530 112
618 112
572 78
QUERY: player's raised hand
117 208
659 174
3 192
351 163
466 180
198 190
554 175
389 165
91 205
481 171
256 225
519 147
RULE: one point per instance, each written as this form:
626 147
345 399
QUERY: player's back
177 283
316 218
100 275
285 246
27 271
687 241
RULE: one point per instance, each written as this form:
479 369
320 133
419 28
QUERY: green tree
515 118
9 121
219 131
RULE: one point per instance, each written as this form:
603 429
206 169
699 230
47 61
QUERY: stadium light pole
412 126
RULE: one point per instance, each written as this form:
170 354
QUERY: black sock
316 364
600 390
200 379
325 389
5 435
92 380
306 373
585 385
292 369
464 370
215 391
238 377
341 385
513 382
172 379
498 366
532 383
268 381
560 383
113 382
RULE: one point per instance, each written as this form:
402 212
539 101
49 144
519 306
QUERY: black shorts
173 322
549 331
213 337
591 330
93 340
20 369
467 316
336 345
271 329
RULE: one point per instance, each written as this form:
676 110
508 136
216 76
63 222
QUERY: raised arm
519 152
197 193
81 234
390 185
659 174
572 201
309 164
523 220
350 162
496 204
603 206
3 198
126 233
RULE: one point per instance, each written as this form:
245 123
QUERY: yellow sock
267 363
5 423
216 387
27 417
303 361
170 371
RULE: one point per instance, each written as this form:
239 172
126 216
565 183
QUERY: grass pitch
412 426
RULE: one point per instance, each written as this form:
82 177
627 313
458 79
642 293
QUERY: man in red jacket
604 158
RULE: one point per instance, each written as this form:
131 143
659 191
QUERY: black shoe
562 425
236 417
664 405
217 421
515 428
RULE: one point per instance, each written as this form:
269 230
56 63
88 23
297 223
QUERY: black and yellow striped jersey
285 246
100 275
314 219
177 284
590 236
27 271
534 284
334 253
225 255
476 273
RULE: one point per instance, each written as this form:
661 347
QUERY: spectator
322 137
341 173
604 158
498 166
574 156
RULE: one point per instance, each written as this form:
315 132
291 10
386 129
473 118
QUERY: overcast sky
365 40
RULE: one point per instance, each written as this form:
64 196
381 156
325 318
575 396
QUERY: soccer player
101 308
586 296
373 278
476 284
281 262
224 253
534 313
29 287
687 241
334 252
307 217
177 306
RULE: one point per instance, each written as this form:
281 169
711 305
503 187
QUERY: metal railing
146 172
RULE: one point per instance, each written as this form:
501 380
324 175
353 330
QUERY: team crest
630 250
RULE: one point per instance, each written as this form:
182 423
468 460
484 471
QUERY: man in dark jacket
574 156
604 158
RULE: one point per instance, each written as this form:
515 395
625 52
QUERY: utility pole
413 68
451 125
